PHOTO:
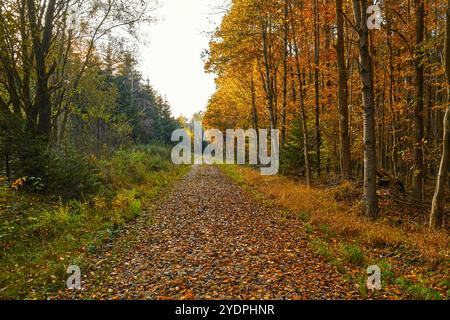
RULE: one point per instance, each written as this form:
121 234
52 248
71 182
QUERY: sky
171 56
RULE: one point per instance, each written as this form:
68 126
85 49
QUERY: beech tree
436 217
362 104
366 74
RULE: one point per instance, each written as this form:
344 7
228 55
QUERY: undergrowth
40 236
350 242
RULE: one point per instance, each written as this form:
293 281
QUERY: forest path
211 240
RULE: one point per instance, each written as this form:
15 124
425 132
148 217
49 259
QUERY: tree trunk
305 131
436 216
302 105
285 57
254 112
418 175
41 46
7 169
343 94
316 83
366 75
268 81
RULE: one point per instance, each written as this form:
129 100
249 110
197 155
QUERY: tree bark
418 175
316 83
436 216
302 106
366 75
343 94
254 112
285 58
41 46
268 80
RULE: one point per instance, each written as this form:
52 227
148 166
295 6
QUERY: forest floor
228 233
212 240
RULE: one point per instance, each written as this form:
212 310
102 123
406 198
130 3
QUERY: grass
351 242
337 218
362 288
352 254
418 291
321 248
41 237
387 272
304 216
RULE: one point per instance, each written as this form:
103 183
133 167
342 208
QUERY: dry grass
345 220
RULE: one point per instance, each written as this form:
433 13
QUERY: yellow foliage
19 182
344 220
99 202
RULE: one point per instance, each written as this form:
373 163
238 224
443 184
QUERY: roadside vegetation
414 260
41 234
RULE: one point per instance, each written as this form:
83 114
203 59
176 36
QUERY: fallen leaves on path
211 240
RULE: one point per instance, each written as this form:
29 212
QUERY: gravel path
211 240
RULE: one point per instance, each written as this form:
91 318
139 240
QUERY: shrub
70 174
78 208
125 207
130 167
49 222
163 152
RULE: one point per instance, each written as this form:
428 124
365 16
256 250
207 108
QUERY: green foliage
309 228
40 237
126 168
50 222
362 288
321 248
23 153
70 173
125 207
304 216
387 271
159 150
418 291
57 170
351 253
326 230
338 265
291 156
148 113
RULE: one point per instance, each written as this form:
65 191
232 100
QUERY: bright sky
172 58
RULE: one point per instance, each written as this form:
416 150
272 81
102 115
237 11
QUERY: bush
49 222
125 207
60 170
63 170
130 167
70 173
156 150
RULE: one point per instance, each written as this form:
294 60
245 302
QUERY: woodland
359 91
